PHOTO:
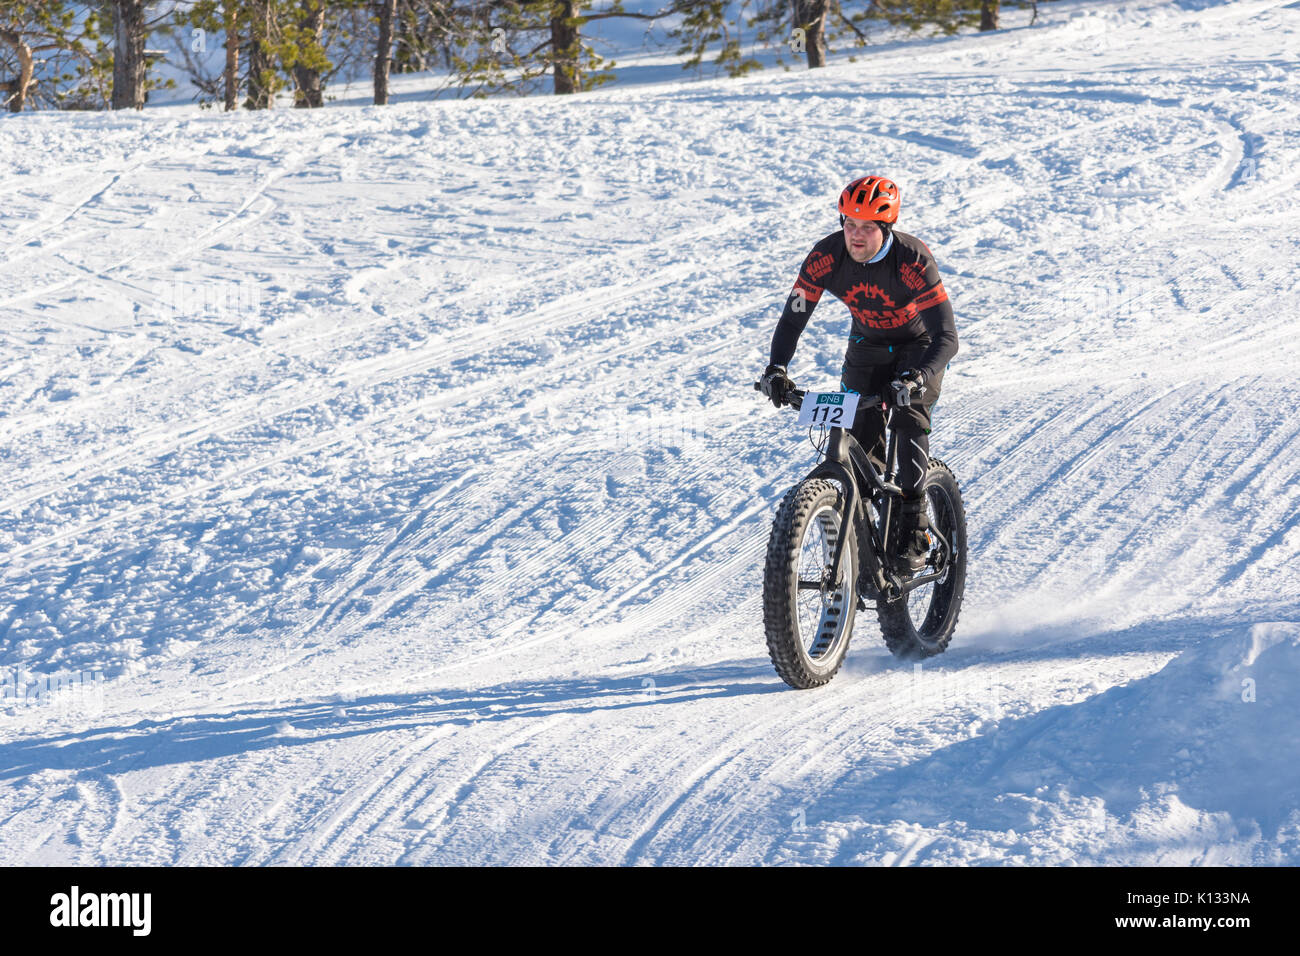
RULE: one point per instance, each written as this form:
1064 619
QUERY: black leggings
868 371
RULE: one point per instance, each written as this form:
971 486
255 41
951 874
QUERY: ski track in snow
426 554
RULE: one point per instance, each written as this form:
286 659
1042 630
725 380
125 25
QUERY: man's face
863 238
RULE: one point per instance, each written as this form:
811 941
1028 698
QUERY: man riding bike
903 329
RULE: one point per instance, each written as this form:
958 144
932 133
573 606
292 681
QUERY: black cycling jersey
898 300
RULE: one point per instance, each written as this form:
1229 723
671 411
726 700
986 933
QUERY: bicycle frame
845 460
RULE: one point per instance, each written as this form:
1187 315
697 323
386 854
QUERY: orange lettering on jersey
810 292
913 276
818 264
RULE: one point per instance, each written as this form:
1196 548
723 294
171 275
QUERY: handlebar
794 397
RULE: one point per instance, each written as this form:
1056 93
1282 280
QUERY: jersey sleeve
807 292
937 316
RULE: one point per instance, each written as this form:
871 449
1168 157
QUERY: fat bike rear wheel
920 623
808 618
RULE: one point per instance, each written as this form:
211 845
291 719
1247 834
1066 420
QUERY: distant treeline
242 53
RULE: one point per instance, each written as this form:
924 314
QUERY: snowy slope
364 454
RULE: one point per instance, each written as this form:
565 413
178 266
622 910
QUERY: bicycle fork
838 465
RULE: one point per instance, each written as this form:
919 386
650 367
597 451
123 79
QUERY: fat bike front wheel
808 618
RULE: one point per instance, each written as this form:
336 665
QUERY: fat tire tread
896 625
779 607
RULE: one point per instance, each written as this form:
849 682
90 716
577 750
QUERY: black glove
775 384
908 385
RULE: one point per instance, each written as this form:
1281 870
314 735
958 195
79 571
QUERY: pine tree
384 50
53 54
230 21
298 47
704 25
263 79
280 43
988 15
129 67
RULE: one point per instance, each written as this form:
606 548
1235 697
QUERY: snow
385 485
1192 765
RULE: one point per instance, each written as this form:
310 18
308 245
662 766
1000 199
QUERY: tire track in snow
116 460
316 443
473 339
474 335
365 374
361 815
805 767
292 657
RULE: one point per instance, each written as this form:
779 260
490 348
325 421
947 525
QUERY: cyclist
903 329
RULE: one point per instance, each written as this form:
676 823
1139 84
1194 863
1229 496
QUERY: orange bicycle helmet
871 197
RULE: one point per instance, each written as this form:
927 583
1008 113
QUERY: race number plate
829 408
